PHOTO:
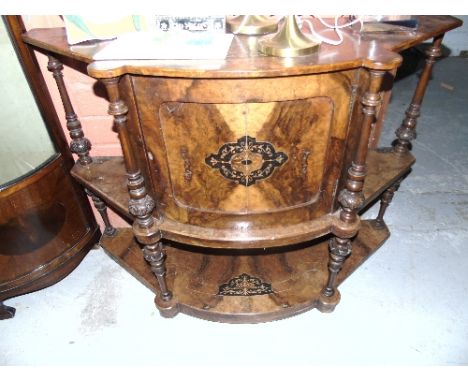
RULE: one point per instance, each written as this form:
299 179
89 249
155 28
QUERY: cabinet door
250 157
221 151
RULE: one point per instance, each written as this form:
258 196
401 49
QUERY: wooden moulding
240 63
106 178
252 286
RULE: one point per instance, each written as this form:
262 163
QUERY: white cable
335 27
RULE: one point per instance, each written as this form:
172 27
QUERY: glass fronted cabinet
25 143
46 224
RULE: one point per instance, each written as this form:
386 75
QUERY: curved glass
25 144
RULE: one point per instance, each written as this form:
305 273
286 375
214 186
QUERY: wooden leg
147 233
79 144
385 201
351 198
155 255
109 230
6 312
340 249
407 131
141 205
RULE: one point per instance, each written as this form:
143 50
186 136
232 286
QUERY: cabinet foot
6 311
378 224
167 309
327 304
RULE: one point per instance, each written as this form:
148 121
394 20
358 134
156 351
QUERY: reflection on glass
24 141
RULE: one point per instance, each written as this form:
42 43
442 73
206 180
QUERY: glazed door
25 143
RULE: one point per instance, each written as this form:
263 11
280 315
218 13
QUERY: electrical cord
336 27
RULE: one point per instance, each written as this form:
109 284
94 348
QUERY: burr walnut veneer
244 178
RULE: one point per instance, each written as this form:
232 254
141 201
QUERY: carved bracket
351 200
141 207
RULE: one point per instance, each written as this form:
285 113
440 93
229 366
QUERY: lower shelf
243 286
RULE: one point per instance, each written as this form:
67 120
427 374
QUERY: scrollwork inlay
246 161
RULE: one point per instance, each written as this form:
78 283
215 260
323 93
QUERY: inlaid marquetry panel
249 157
246 161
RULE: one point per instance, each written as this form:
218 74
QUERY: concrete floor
407 305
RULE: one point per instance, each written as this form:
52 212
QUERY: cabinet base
6 311
247 286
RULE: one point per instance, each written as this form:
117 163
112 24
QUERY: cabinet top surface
372 50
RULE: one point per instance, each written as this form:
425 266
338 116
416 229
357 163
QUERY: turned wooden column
109 230
141 205
385 201
407 131
351 198
79 145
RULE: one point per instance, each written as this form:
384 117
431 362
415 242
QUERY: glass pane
25 143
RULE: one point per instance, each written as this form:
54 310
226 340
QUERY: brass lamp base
289 41
251 24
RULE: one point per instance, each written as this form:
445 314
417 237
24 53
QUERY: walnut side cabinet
244 178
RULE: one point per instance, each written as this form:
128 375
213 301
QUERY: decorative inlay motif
246 161
187 164
244 285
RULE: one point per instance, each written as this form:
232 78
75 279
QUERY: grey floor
407 305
